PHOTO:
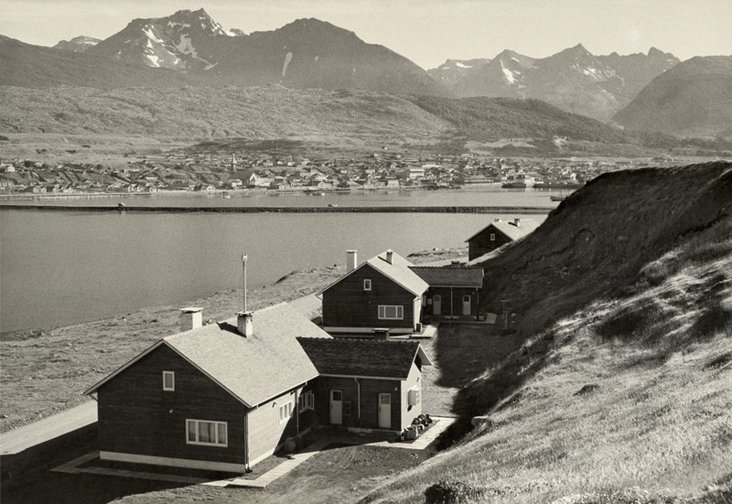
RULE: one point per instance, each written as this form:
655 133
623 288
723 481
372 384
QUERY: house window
493 236
205 432
168 381
391 312
286 411
306 401
367 284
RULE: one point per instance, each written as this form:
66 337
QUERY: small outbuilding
367 384
454 291
497 234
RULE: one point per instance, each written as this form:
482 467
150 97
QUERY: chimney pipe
351 260
245 324
389 256
191 317
517 222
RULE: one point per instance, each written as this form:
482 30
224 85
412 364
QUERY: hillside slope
621 391
32 66
692 99
271 112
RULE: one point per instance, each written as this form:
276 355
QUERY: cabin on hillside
221 397
380 295
454 291
367 384
497 234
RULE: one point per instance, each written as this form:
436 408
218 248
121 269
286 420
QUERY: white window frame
493 236
286 411
306 401
367 284
172 377
398 312
219 427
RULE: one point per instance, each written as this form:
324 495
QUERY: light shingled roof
398 271
510 229
253 369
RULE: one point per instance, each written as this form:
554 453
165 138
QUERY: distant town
384 170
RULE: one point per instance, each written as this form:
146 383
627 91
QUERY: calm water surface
59 268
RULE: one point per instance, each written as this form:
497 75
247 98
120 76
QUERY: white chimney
245 324
389 256
191 317
351 260
517 222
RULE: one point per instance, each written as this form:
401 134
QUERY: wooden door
336 407
385 410
436 304
466 305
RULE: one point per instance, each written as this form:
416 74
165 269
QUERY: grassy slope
653 337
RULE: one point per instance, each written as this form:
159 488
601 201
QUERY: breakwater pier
464 209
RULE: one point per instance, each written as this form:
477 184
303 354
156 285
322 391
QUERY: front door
466 305
436 304
336 407
385 410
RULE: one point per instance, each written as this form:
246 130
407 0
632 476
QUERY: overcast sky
425 31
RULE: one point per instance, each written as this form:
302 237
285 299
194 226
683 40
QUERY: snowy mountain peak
77 44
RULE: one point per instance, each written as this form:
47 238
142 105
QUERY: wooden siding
346 304
370 389
451 301
266 432
409 413
481 243
137 416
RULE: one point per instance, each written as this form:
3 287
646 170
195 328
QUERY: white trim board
173 462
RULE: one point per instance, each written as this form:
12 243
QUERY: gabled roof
450 276
364 357
252 369
398 271
510 229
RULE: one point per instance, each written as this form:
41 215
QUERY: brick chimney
389 256
191 317
245 324
351 260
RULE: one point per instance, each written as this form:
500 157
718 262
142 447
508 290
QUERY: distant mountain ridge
692 99
306 53
573 79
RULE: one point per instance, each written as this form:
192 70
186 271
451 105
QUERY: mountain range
573 79
189 48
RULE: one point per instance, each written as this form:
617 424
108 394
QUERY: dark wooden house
381 293
454 291
497 234
222 397
367 384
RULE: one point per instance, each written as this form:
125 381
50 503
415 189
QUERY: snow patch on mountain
462 65
508 74
286 63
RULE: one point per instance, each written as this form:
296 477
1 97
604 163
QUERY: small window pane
191 428
222 433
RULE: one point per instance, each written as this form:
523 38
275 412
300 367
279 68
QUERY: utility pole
244 279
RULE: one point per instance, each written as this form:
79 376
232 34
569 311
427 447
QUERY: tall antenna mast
244 277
